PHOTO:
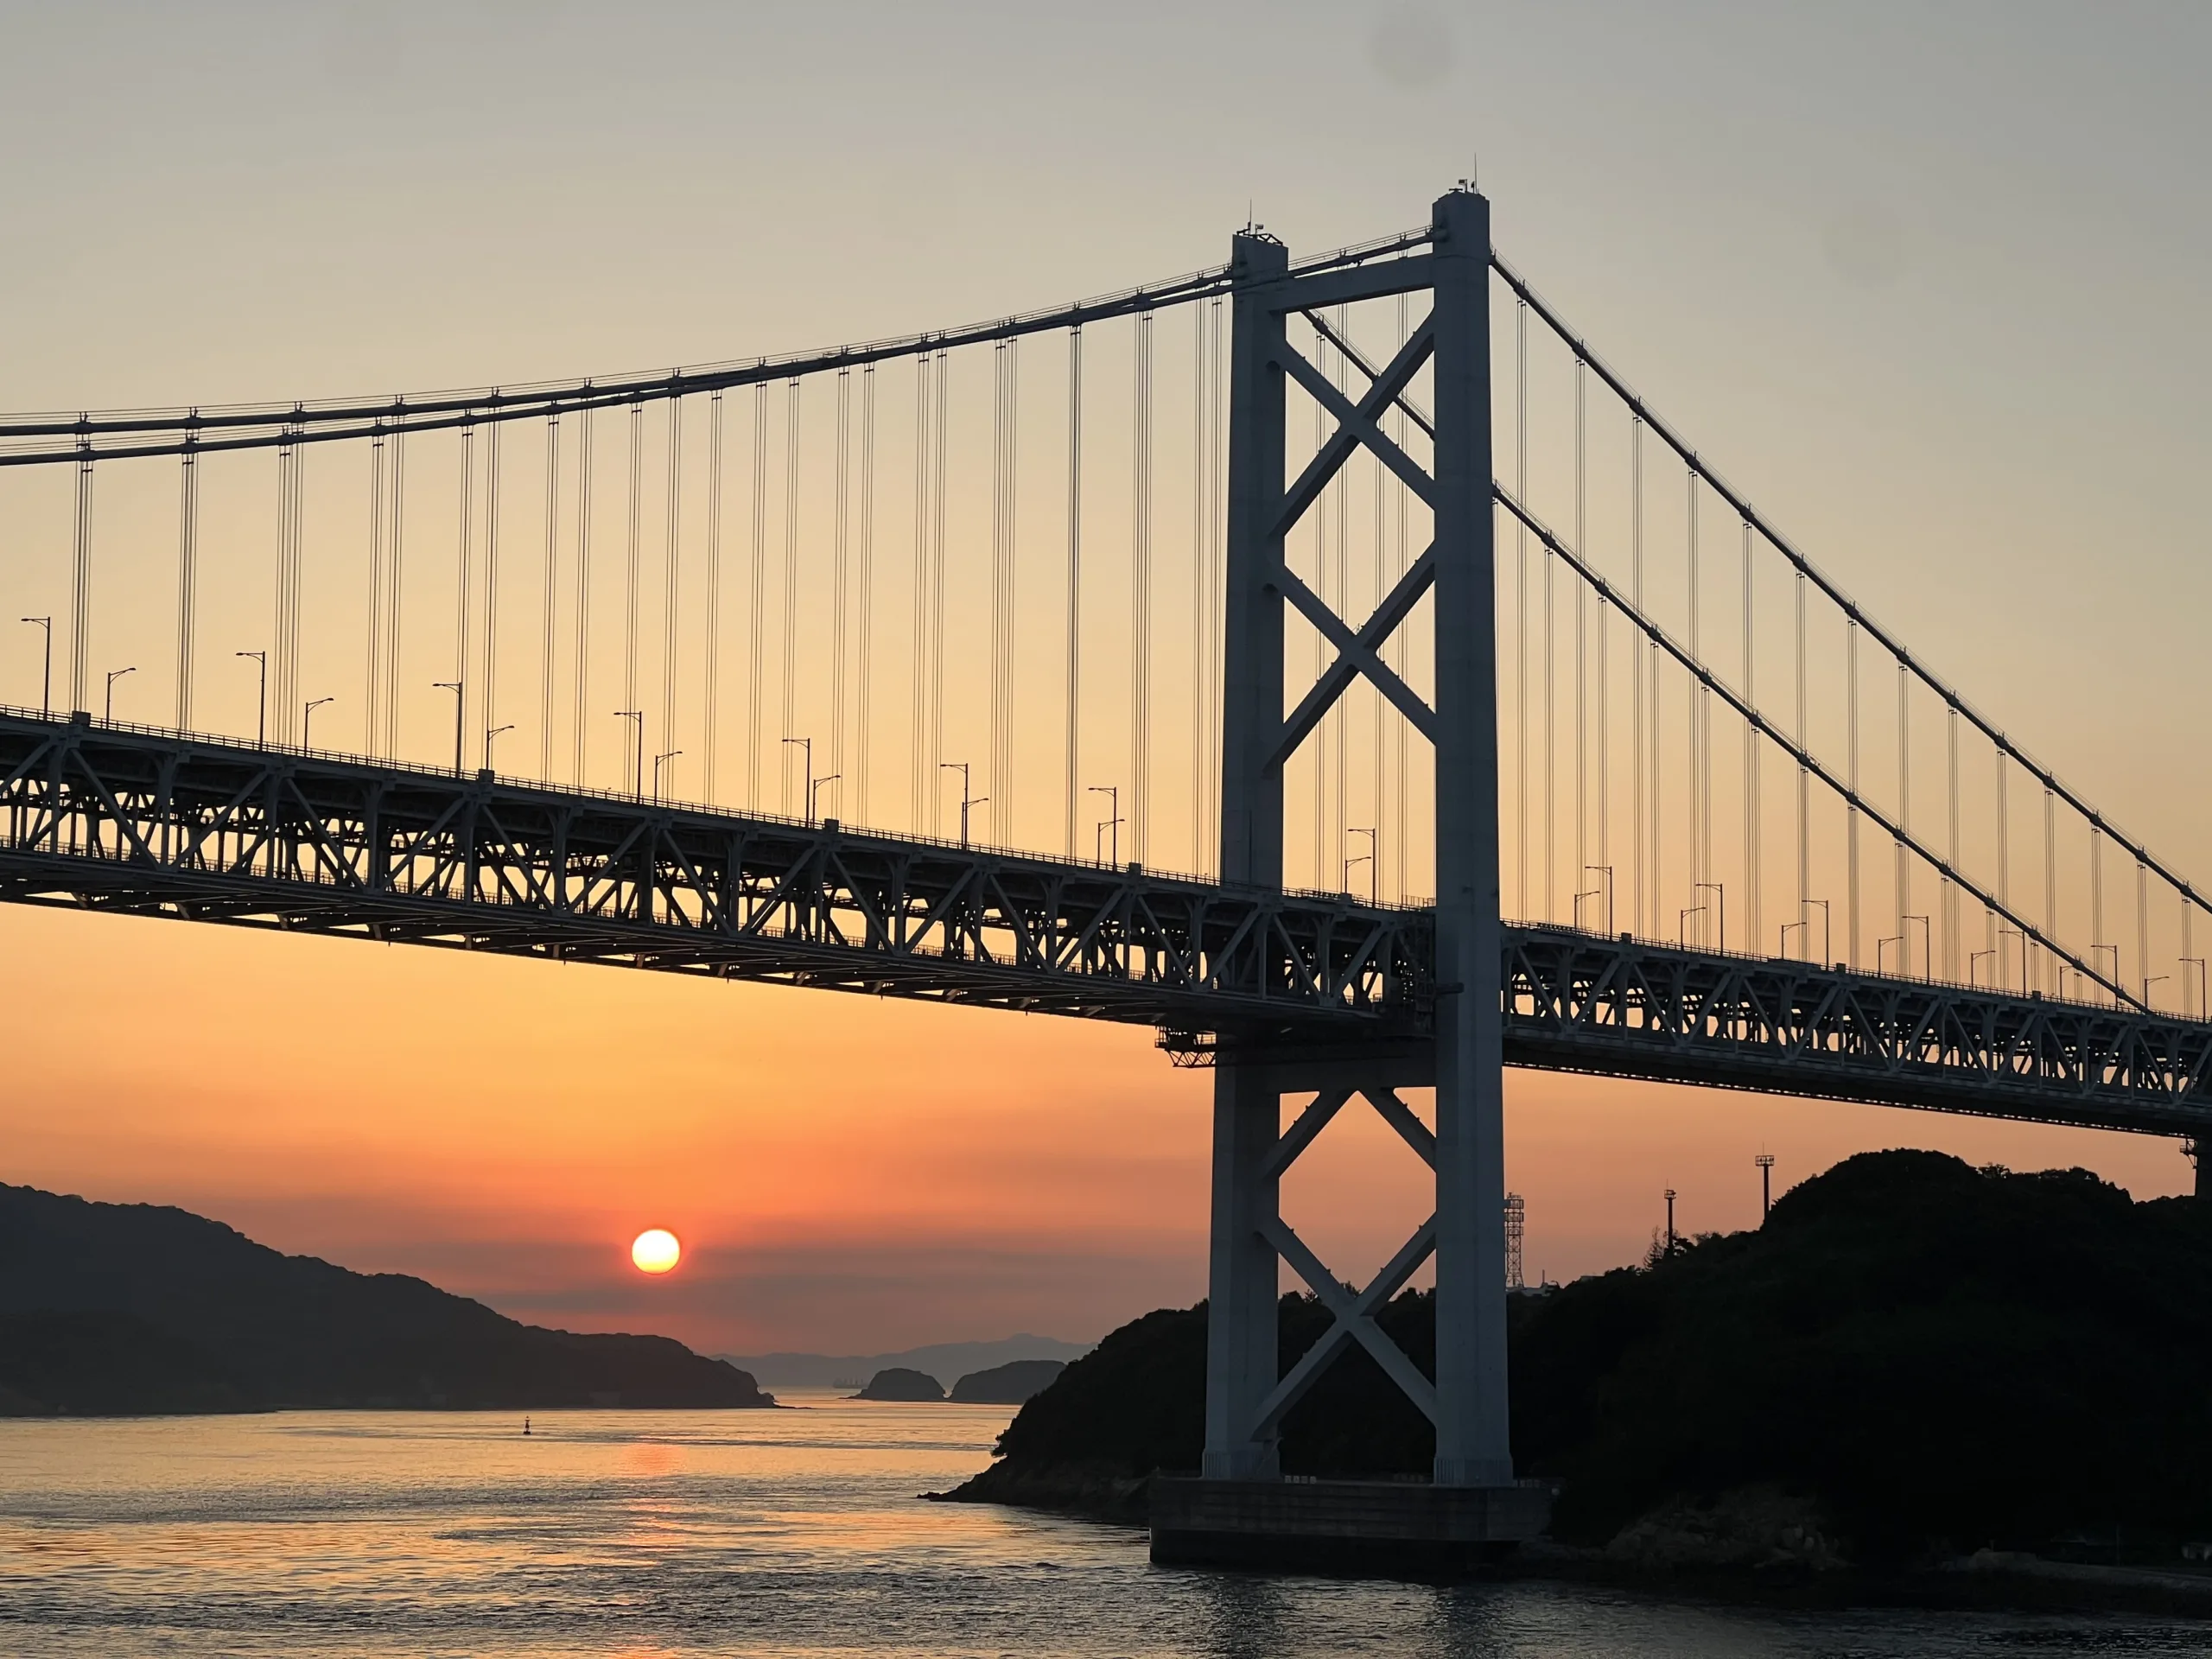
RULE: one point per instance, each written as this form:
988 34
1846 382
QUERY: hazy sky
1927 280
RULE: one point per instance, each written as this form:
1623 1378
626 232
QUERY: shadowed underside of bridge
112 818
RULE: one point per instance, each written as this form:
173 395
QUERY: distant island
119 1309
898 1382
847 1372
1002 1385
1912 1360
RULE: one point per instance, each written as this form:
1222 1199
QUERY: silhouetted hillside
1922 1353
112 1307
1008 1384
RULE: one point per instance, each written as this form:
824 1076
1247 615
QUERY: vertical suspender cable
1218 580
634 732
1072 745
1201 585
80 581
1402 639
1006 391
1905 818
372 699
1340 598
2050 868
1995 941
1951 850
1851 828
1701 828
1521 859
1753 919
1581 654
711 708
1804 777
941 428
187 581
672 577
465 587
841 579
1139 812
284 680
791 581
2096 891
756 614
548 649
396 518
490 717
922 770
865 725
1645 824
1548 907
580 736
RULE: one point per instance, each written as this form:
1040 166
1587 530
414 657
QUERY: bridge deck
111 817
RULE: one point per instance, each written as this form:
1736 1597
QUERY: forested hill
121 1308
1917 1353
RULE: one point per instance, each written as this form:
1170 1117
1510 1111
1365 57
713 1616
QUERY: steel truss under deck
118 819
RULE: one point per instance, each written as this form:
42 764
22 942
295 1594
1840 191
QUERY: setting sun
655 1250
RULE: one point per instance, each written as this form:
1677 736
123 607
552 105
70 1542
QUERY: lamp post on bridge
45 678
113 675
1111 825
966 800
1720 897
488 736
638 754
1374 870
307 716
460 702
1603 889
814 794
261 720
669 755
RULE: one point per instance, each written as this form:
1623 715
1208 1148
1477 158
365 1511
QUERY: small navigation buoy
525 1427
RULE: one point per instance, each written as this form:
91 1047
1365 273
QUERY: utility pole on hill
1765 1161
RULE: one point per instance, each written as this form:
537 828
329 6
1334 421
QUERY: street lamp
460 703
1973 956
806 793
1374 870
488 736
1682 926
1927 944
1720 895
638 765
306 715
967 800
46 682
2196 963
261 720
1605 888
814 794
669 755
113 675
1113 794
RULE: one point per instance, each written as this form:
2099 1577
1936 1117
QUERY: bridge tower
1228 1511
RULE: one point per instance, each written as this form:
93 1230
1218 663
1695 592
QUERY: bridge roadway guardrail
132 820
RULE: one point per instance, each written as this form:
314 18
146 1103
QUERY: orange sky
847 1173
1909 278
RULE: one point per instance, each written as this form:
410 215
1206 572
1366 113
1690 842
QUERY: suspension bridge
1487 723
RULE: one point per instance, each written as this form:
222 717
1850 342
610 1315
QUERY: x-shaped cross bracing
1358 426
1355 1310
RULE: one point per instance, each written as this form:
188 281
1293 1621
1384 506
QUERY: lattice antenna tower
1516 1220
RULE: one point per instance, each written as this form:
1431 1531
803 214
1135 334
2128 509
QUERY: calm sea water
637 1534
